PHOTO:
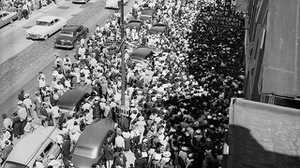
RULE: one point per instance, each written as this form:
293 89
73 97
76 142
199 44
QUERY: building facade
272 51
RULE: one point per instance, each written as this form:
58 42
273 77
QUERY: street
22 59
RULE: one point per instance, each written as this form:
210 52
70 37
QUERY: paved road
20 71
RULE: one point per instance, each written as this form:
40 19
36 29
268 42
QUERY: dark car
158 28
134 24
70 101
69 35
88 149
147 14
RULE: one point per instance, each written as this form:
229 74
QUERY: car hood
82 162
37 29
64 38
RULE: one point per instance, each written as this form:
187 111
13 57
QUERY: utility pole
122 54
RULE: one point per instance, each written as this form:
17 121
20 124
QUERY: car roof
94 134
141 53
28 146
70 98
48 18
70 27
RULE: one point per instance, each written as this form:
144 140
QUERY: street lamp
122 55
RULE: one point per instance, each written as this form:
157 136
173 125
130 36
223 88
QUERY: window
42 23
10 164
86 152
47 149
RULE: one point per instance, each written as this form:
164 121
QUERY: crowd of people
172 117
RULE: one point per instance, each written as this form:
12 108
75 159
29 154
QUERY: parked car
147 14
113 4
158 28
69 35
134 24
7 17
88 149
80 1
38 145
45 27
70 101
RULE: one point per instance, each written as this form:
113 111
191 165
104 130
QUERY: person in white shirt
82 42
119 142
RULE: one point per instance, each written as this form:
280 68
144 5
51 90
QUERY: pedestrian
21 95
119 141
108 154
7 122
120 161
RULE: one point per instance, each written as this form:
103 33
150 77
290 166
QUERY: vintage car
147 13
158 28
7 17
37 146
80 1
113 4
134 24
69 103
69 35
45 27
89 147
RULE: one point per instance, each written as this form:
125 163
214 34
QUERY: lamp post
122 54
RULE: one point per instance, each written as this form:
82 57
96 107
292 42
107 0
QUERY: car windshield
66 33
42 23
9 164
86 152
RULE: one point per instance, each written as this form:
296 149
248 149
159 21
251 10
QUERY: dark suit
141 162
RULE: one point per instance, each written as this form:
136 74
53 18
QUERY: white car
7 17
113 4
45 27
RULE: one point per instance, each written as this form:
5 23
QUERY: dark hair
4 116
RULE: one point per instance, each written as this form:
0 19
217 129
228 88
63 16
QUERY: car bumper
79 1
64 46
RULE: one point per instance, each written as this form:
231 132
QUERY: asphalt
20 71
